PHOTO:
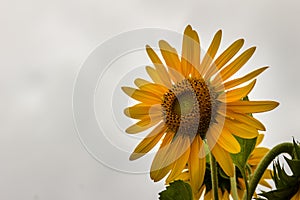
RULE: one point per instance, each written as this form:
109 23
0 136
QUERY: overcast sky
45 44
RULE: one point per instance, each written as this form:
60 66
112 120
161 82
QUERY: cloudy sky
44 46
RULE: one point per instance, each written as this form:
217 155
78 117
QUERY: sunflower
192 101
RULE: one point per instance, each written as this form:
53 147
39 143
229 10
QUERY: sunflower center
189 106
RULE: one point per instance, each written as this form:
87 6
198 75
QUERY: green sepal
177 190
294 165
297 150
286 185
240 159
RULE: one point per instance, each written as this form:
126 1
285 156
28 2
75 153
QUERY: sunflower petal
241 129
160 68
235 65
190 51
160 165
252 106
178 154
259 139
140 82
149 141
154 88
237 94
211 52
143 124
170 55
247 119
223 158
257 155
154 75
196 164
224 58
228 142
248 77
142 96
183 176
141 110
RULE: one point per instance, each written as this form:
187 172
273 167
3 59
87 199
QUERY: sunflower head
192 100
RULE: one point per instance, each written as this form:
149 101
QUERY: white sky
43 45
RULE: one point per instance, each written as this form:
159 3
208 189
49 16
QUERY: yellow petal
257 154
267 174
170 55
211 52
179 152
235 65
142 96
224 58
248 77
141 110
223 158
244 118
228 142
140 82
196 164
160 68
240 129
251 106
296 196
154 75
161 166
183 176
208 195
237 94
226 195
159 90
240 193
259 139
198 194
190 51
149 141
143 124
175 75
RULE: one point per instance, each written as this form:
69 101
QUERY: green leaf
247 145
240 159
177 190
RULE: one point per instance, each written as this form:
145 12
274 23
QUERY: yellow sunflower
191 101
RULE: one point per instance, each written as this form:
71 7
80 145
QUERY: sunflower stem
214 176
246 178
233 186
263 165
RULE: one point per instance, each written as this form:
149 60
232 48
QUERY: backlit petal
159 67
211 52
252 106
224 58
142 96
143 124
149 141
237 94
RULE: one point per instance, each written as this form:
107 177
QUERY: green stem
233 186
263 165
214 176
247 177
